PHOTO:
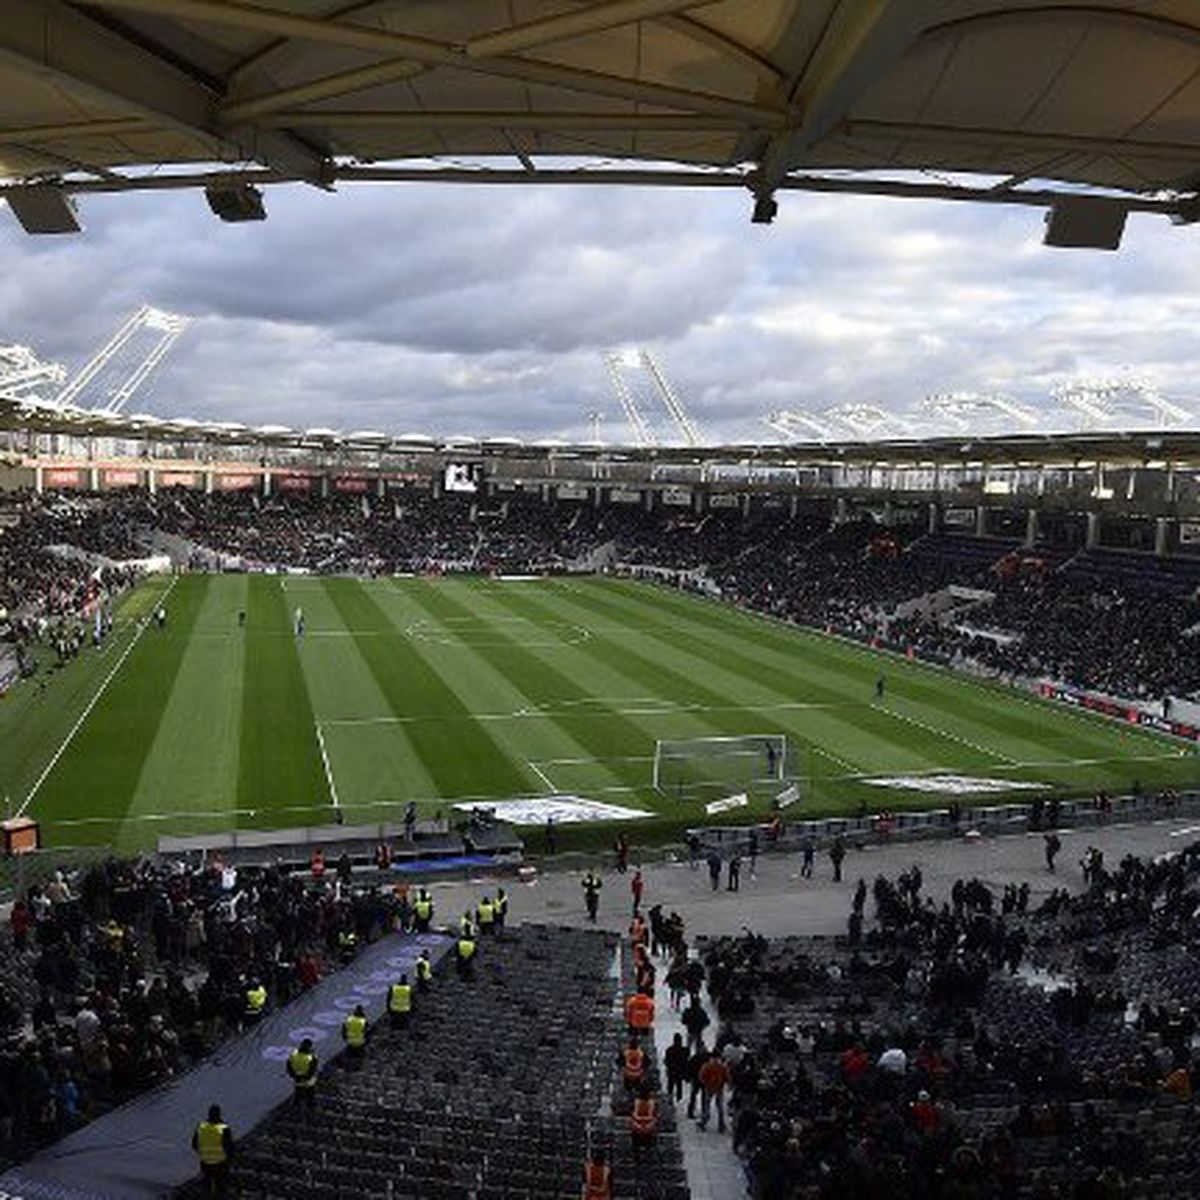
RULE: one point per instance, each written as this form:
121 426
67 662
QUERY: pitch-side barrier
984 820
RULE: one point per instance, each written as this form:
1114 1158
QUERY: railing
880 829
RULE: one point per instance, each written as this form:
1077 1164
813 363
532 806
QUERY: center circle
497 631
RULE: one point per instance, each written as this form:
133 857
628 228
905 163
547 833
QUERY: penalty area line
547 782
91 704
333 796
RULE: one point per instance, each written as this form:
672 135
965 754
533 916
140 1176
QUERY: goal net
713 767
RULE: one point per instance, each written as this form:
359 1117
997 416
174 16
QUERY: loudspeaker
236 201
1085 223
44 208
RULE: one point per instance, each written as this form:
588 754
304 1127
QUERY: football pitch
461 689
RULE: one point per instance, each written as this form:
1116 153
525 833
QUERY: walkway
778 902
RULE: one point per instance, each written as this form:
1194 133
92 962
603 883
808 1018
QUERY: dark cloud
485 310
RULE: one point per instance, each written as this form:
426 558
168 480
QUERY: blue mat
144 1149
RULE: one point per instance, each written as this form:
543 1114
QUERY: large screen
463 477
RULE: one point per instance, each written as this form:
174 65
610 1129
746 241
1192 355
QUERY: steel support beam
48 39
1049 143
633 177
432 53
558 122
593 19
865 38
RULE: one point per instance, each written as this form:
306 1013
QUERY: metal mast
637 422
961 409
797 426
1098 403
671 401
166 328
23 374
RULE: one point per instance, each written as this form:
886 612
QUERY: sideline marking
83 716
939 732
333 796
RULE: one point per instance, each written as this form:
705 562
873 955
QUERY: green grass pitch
443 690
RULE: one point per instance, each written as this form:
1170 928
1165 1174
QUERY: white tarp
565 810
951 785
788 796
720 806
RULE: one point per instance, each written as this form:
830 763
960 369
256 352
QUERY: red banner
1121 712
236 483
114 478
184 479
62 477
292 483
351 483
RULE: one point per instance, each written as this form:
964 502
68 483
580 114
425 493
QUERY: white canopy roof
757 93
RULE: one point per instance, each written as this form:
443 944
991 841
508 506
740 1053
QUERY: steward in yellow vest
302 1067
256 1002
213 1144
464 952
424 971
400 1002
355 1031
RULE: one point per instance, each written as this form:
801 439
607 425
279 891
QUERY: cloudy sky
484 311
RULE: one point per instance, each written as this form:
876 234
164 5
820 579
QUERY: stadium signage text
1121 712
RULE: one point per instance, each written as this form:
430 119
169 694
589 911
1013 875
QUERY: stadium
637 813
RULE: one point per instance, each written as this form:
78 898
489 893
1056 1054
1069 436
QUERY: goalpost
714 767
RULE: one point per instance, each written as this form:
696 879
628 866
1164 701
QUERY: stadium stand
497 1088
977 1049
1049 613
121 975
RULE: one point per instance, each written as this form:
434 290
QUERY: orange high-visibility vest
644 1118
635 1063
639 1011
597 1182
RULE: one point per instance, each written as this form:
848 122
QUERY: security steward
424 971
597 1177
256 1002
302 1067
400 1002
423 911
464 955
347 945
213 1144
501 907
355 1031
632 1061
639 1014
486 916
643 1119
591 893
466 927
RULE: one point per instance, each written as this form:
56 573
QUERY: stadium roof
1178 447
763 94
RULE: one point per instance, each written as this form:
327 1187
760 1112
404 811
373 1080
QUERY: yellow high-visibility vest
400 998
304 1068
210 1142
356 1031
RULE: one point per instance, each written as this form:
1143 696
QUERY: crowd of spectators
42 583
1092 622
122 974
980 1048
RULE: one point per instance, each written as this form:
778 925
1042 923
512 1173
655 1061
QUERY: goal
712 767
